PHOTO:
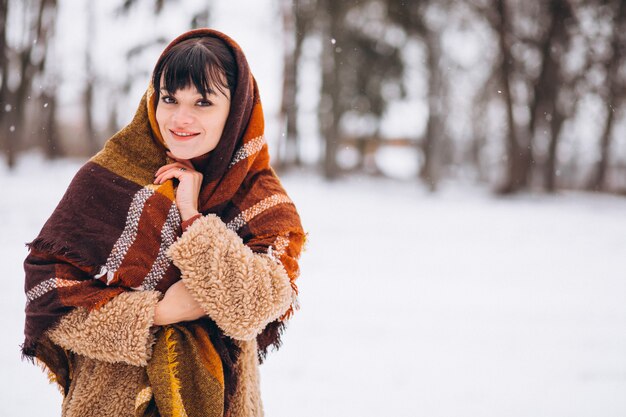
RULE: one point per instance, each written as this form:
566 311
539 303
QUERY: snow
447 304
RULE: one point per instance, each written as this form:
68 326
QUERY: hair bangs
196 67
205 63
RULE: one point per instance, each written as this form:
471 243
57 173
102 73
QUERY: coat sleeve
119 331
240 290
81 314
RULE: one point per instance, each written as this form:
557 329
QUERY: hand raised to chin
189 184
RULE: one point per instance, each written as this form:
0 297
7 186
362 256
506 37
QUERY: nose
182 116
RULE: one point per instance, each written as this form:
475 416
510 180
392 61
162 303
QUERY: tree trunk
18 99
550 169
544 90
303 23
48 98
10 133
330 111
515 174
613 101
90 128
49 127
288 109
550 84
597 181
434 126
18 102
6 105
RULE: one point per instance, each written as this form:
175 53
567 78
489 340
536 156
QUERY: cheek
161 116
224 116
216 123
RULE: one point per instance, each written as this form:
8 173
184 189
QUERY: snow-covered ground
455 304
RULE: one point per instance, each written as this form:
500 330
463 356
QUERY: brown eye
168 100
204 103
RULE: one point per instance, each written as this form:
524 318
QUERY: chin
182 153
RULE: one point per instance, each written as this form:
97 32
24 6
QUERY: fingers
168 166
172 172
174 165
177 171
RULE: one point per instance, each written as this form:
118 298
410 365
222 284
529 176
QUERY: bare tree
298 17
50 136
330 112
516 173
435 125
411 17
28 59
614 93
4 88
545 107
90 81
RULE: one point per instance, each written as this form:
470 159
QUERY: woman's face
190 124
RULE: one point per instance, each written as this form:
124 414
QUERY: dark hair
202 62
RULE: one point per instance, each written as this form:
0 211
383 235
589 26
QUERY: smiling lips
181 135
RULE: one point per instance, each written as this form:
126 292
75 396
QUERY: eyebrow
163 91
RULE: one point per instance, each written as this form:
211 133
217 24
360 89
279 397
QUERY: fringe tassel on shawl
270 337
272 334
178 408
56 249
28 351
52 378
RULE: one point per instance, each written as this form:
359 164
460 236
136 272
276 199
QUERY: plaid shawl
112 228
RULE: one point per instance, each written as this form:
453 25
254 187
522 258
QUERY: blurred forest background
515 94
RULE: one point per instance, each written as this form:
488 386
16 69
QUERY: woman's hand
189 184
177 305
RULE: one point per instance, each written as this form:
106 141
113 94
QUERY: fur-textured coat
110 347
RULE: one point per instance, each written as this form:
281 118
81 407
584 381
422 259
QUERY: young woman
168 268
